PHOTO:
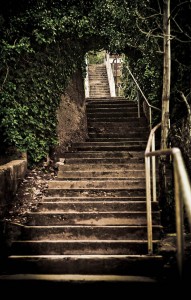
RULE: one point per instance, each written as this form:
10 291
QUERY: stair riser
93 219
133 120
94 199
134 147
80 248
104 154
102 168
133 162
118 139
88 265
113 137
88 232
97 185
105 144
107 115
95 193
125 134
116 129
103 174
109 101
111 110
94 206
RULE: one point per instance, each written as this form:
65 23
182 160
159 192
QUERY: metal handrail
86 81
182 189
146 100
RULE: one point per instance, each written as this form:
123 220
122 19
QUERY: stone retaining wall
11 175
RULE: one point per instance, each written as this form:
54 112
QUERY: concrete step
99 89
113 109
94 206
92 111
107 175
86 264
73 284
117 139
101 106
109 135
127 184
98 94
83 232
108 114
91 192
137 168
81 247
104 154
134 120
95 198
109 146
109 100
114 127
137 163
90 218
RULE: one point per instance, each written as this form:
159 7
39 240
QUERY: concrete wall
11 175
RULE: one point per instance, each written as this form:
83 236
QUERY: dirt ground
30 192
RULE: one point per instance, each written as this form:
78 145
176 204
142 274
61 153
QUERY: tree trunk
164 203
166 74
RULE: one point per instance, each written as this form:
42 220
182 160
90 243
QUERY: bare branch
149 33
180 4
160 10
181 29
149 17
178 39
184 98
6 75
186 102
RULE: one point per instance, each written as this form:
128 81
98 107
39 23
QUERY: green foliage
36 65
44 41
96 57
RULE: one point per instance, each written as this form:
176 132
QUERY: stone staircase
91 224
98 81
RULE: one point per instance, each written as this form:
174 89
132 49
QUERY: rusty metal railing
182 192
150 107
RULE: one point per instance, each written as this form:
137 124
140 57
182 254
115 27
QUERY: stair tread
84 241
77 277
87 256
89 226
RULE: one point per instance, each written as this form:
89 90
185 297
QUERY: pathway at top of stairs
92 220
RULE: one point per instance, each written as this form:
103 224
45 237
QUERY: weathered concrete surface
11 175
71 115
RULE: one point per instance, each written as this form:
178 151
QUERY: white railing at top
110 75
86 81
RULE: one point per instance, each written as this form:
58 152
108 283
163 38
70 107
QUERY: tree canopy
43 42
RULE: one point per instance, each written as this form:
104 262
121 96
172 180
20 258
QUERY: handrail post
154 170
148 205
150 117
179 220
138 104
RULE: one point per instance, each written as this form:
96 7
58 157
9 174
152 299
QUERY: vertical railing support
154 170
150 117
138 105
179 220
148 205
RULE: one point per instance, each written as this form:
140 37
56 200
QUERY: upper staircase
98 81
